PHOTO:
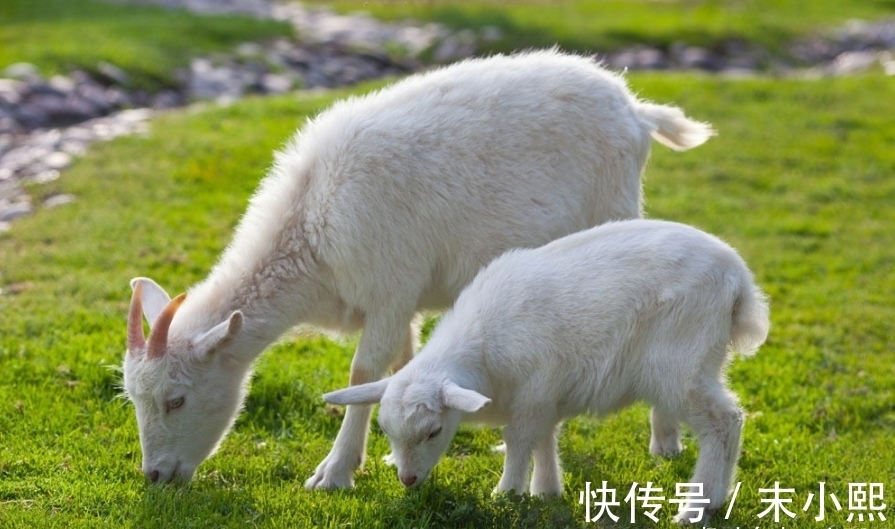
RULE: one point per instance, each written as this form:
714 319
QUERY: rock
44 177
695 58
119 98
168 99
11 92
112 73
256 8
58 160
58 200
22 71
9 127
60 111
491 33
137 115
208 81
887 60
639 58
30 116
96 96
276 83
13 211
62 84
851 62
249 49
454 47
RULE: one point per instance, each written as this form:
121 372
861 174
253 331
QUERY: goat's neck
460 364
273 297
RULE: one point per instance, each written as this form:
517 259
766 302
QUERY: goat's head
420 418
185 389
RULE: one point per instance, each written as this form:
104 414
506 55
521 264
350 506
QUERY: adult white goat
381 206
633 310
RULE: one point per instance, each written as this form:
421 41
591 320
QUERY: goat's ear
466 400
154 298
220 335
370 393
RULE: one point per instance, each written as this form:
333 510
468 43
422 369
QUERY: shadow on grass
288 386
190 506
434 506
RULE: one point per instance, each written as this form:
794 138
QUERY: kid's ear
467 400
370 393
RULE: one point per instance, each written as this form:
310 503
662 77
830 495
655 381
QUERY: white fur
385 205
628 311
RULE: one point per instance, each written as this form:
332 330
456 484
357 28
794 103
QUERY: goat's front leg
410 344
379 346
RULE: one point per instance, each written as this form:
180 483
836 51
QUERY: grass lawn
610 24
149 43
799 179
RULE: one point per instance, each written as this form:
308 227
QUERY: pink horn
158 336
136 340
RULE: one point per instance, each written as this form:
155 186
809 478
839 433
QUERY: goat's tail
751 321
669 126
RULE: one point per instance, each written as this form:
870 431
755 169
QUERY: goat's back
624 311
424 182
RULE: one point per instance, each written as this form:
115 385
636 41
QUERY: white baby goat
381 206
634 310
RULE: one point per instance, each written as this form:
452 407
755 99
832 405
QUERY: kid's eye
434 433
173 404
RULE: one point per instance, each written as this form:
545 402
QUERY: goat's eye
434 433
173 404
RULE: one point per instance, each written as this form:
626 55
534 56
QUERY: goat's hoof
509 491
667 454
389 460
548 492
689 517
682 519
331 475
668 450
500 449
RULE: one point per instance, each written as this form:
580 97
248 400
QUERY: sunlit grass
149 43
799 179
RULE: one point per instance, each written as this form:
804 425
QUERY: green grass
799 179
149 43
601 25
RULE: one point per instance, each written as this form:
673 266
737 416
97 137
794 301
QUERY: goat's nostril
153 476
408 480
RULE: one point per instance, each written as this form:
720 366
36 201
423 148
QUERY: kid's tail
751 321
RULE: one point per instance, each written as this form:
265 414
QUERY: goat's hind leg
717 419
519 443
665 439
546 480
